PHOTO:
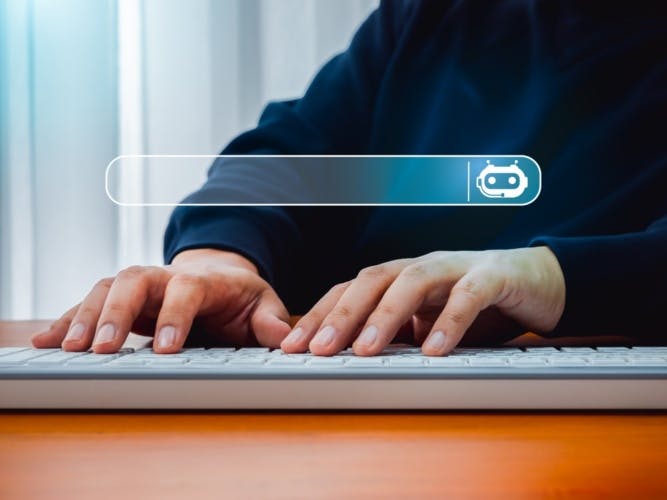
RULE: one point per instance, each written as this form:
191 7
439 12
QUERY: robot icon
497 181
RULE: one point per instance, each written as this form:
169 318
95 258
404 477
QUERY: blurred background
82 81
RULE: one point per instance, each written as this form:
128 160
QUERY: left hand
440 295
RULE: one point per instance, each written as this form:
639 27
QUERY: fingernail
75 332
325 336
295 336
368 336
105 334
166 336
436 341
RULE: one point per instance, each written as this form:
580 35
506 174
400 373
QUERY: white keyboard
395 358
400 378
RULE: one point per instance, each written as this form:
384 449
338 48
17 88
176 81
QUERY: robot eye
491 180
512 180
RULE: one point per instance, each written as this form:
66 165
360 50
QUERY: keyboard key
220 351
448 361
567 361
364 362
93 359
400 349
488 362
149 358
286 360
246 361
128 361
22 356
54 358
166 360
407 361
320 361
528 361
542 350
206 363
608 361
646 361
11 350
466 351
253 350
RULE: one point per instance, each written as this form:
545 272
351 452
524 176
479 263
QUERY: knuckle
313 318
386 310
132 273
373 272
116 308
339 288
189 280
87 311
214 269
341 312
456 317
415 271
468 288
104 283
176 314
308 323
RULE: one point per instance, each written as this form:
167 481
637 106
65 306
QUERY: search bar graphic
279 180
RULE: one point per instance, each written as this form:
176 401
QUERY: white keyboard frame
289 388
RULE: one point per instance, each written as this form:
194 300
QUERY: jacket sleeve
334 116
615 285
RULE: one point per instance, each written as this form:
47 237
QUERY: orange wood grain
125 455
332 455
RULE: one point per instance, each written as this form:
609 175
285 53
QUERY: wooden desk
126 455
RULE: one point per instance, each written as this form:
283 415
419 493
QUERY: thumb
270 320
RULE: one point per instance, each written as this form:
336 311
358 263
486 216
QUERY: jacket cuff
233 234
610 283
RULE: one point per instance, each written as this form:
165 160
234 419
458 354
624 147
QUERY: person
579 86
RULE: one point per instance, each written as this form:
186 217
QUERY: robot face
502 181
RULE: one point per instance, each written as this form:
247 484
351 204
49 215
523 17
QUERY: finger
183 298
82 328
342 323
472 294
127 297
401 300
54 336
305 328
270 320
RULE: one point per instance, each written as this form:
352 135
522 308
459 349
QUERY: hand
220 292
439 296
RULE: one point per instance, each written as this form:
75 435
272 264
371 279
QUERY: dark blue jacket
581 86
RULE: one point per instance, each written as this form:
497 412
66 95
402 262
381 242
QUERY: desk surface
328 455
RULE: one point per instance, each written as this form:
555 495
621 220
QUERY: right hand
221 292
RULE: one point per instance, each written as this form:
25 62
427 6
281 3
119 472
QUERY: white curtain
82 82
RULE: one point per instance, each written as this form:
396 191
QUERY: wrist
553 284
218 256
